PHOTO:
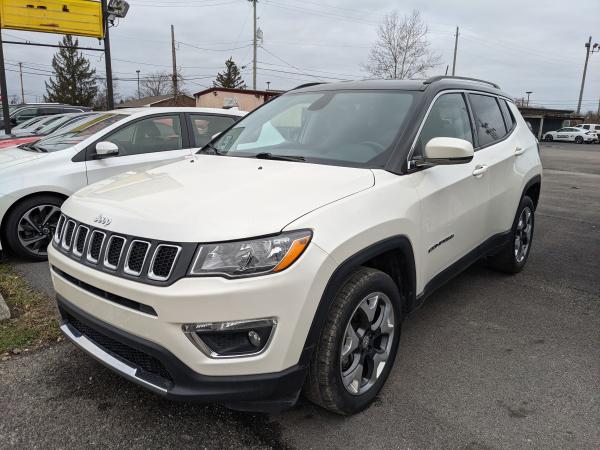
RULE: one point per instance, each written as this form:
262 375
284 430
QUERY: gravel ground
490 361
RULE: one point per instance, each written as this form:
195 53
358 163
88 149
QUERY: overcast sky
523 45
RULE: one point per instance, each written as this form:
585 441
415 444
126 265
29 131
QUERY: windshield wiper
210 149
267 155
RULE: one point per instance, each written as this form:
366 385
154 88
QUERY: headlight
251 257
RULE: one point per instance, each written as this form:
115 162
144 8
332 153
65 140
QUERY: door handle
480 170
519 151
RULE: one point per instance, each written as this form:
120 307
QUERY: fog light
232 338
254 338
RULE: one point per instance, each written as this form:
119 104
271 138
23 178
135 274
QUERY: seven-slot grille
113 252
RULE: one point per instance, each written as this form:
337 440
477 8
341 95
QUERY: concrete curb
4 311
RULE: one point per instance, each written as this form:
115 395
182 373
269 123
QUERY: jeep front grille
114 249
142 260
136 256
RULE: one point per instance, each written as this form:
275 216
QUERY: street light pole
254 45
138 77
528 94
588 49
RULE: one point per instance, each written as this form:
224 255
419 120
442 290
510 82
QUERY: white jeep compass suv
285 254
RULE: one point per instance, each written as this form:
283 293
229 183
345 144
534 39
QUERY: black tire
324 385
508 260
579 140
549 138
37 250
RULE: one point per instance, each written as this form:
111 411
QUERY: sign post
4 91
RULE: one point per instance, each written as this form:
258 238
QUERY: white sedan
571 134
35 178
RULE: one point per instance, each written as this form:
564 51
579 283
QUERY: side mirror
446 150
13 121
105 148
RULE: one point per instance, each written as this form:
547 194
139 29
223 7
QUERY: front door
144 143
454 198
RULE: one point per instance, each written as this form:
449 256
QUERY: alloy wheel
36 228
367 343
523 234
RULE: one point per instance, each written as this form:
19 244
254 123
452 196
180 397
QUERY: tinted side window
46 111
154 134
448 118
585 127
488 119
509 119
25 114
205 126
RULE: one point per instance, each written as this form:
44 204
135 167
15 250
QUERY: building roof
147 101
238 91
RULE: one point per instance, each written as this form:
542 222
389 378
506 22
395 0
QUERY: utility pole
254 46
455 49
528 94
109 84
268 85
138 77
174 64
588 50
598 113
21 76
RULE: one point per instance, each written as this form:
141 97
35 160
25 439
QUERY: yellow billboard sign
76 17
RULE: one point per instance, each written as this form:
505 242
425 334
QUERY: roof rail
452 77
307 85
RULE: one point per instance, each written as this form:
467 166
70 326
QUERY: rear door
204 126
144 142
454 198
500 148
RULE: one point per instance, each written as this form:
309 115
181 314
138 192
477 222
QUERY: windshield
80 130
355 128
64 123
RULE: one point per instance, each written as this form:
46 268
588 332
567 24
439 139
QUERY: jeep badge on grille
103 220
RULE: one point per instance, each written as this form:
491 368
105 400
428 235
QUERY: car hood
214 198
13 156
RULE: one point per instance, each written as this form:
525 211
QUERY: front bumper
155 368
111 305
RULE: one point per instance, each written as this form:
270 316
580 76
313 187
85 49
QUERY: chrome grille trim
59 228
126 268
76 238
151 274
64 244
89 246
107 251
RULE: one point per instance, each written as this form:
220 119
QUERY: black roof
431 84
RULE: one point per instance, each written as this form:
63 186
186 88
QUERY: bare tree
159 83
402 49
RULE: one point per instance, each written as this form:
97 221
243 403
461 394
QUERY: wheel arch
532 189
19 201
393 256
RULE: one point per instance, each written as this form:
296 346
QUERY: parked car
593 127
49 125
26 112
570 134
287 251
35 178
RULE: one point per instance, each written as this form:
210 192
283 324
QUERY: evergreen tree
74 82
231 77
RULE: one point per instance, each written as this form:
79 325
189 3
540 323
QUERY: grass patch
34 318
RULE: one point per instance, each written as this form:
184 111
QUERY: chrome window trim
60 226
151 274
76 237
126 268
88 256
63 243
438 95
110 239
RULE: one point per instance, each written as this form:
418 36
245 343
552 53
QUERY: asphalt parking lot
490 361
